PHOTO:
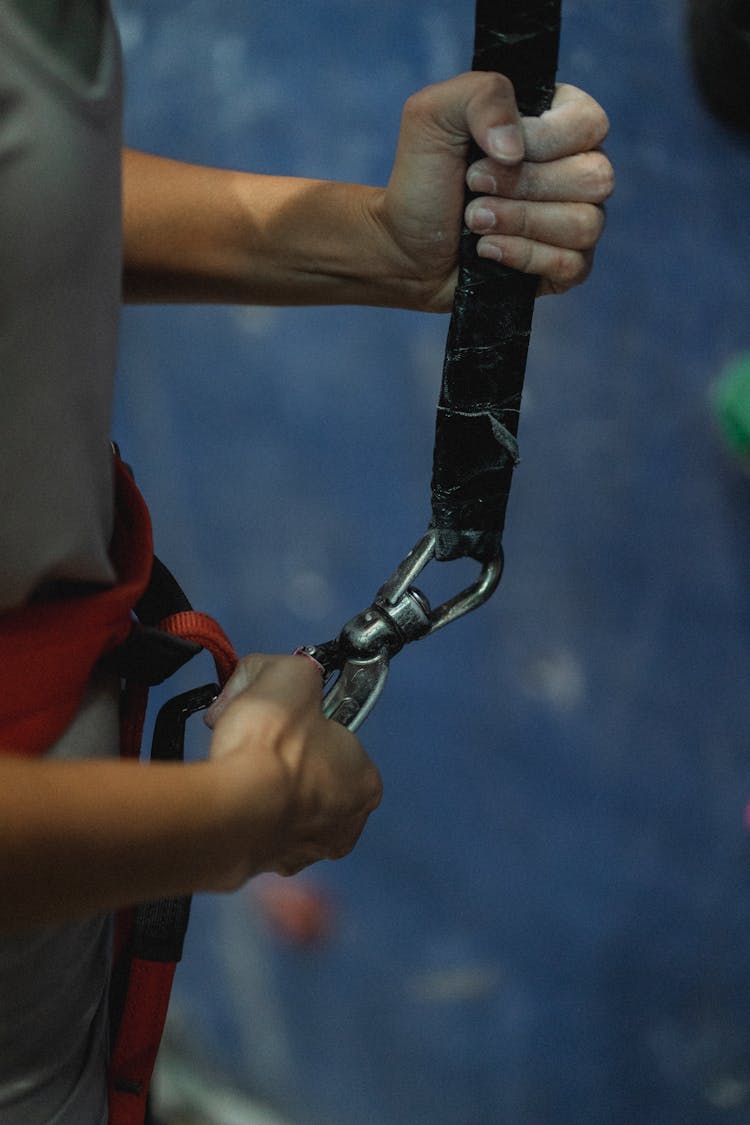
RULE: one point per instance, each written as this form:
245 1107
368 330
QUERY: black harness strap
485 359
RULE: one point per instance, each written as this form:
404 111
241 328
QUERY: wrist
247 794
321 242
393 275
201 234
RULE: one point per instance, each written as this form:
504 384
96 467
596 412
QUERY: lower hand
541 186
299 787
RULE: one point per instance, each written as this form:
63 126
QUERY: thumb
244 676
282 678
425 197
479 105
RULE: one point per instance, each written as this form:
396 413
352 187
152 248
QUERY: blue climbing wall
548 920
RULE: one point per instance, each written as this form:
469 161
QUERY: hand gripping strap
485 358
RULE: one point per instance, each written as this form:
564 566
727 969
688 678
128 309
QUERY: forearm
80 837
198 234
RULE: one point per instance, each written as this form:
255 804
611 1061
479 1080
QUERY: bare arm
207 234
204 234
81 837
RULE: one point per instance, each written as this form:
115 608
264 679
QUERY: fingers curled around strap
586 177
575 122
557 268
573 226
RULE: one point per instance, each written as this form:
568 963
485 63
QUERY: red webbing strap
48 649
146 996
191 626
138 1039
203 630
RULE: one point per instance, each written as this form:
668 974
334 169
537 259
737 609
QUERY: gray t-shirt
60 284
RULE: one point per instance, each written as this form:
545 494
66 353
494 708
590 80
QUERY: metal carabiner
399 614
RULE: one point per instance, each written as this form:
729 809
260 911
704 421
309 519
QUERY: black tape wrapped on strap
485 358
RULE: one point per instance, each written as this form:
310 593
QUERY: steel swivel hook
399 614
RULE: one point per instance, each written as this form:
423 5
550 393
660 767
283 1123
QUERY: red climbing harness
144 628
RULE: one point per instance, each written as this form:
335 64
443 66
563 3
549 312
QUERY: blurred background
548 920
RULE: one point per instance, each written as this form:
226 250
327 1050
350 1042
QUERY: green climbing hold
731 403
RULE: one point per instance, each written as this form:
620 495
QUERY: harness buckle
399 614
168 739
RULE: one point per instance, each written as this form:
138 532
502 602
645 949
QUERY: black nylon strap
148 655
485 358
159 929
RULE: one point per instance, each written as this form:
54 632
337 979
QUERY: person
83 832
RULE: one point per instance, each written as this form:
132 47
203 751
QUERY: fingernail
309 656
213 713
488 249
481 183
480 218
506 143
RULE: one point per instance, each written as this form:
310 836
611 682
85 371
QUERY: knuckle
526 257
289 870
567 270
600 222
494 86
424 110
592 116
437 96
343 848
600 176
513 218
420 103
595 124
601 125
375 795
573 269
431 112
604 125
346 839
590 220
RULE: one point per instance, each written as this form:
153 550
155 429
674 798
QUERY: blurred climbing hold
297 910
731 404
